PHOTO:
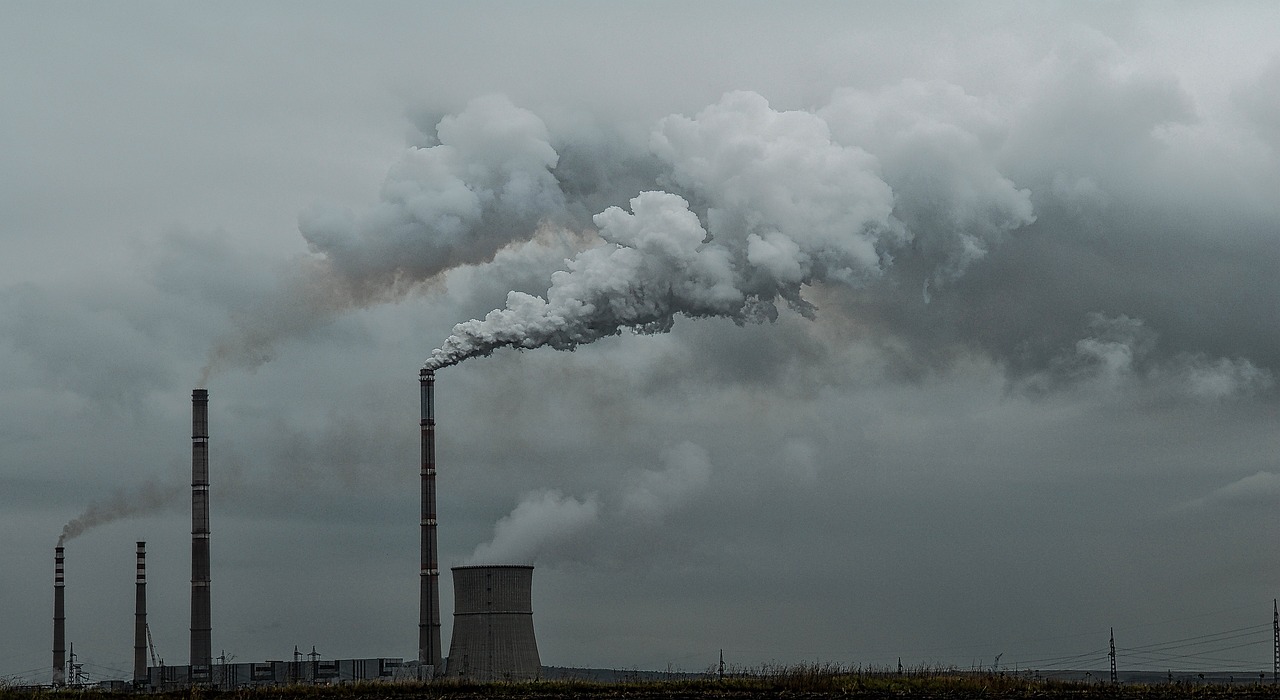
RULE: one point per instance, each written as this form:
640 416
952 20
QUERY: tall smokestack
201 617
59 622
429 653
140 621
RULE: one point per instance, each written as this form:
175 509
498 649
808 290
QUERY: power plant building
274 673
493 636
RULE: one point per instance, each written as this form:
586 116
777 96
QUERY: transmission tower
1275 628
1113 655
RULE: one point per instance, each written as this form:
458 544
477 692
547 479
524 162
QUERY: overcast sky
930 331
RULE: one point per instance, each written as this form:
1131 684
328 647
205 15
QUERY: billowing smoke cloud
150 498
937 149
785 206
939 222
542 519
548 522
487 181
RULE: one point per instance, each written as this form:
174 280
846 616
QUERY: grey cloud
487 182
97 346
1256 490
549 526
937 147
1120 352
1260 103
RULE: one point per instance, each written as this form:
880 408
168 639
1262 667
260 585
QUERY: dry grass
793 681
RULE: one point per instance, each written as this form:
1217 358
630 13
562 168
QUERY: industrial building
268 673
493 636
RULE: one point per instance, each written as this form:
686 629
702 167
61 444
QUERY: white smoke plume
542 519
787 207
546 522
732 211
150 498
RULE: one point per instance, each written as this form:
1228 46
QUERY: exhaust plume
548 523
487 181
786 205
148 499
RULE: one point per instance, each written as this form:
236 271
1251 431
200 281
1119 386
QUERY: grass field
798 682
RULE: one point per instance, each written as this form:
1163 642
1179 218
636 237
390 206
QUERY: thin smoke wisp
150 498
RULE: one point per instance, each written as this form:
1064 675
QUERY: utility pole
1113 655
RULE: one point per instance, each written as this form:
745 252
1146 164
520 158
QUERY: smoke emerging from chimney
150 498
728 213
786 205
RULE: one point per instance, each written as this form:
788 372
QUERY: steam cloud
148 499
787 205
545 522
892 202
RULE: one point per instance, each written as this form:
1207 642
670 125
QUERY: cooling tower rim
491 566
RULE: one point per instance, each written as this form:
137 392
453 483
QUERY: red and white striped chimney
59 622
140 621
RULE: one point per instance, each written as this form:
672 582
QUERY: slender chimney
201 641
59 622
429 653
140 622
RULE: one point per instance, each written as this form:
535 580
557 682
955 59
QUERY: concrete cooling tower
493 624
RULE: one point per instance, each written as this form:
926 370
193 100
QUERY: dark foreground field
797 686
